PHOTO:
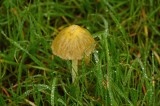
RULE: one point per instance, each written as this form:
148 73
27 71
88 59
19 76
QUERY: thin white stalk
74 70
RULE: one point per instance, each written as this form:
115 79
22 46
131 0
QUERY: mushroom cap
72 43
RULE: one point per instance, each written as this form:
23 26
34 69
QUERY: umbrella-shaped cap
73 43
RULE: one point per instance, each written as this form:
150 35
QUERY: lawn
123 70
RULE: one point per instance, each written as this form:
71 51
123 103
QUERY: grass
124 69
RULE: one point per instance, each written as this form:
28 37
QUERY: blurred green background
124 69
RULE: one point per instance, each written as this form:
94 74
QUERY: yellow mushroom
73 43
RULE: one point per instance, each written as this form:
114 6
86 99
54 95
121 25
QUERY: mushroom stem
74 69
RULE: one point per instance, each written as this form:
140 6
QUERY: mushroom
73 43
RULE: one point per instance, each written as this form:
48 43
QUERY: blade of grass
53 91
21 48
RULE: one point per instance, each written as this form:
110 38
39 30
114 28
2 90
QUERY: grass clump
124 68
